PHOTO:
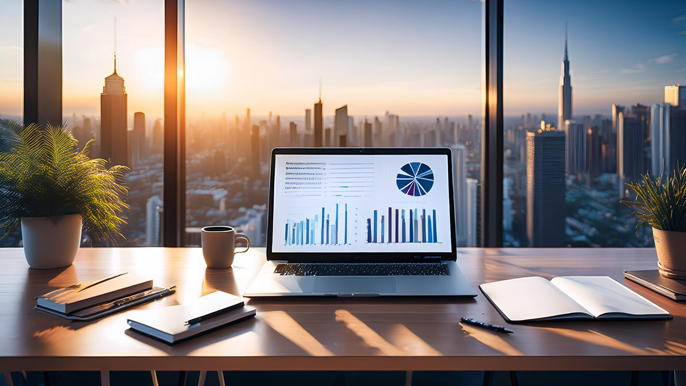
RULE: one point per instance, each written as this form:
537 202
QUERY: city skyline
221 79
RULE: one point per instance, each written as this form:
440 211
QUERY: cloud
679 18
682 69
604 71
662 59
682 33
635 69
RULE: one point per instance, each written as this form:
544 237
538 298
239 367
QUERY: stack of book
84 302
177 323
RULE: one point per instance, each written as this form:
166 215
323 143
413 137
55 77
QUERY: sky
413 58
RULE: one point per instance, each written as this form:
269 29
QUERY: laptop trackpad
334 285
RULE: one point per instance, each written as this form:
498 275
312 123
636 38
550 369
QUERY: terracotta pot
49 245
671 253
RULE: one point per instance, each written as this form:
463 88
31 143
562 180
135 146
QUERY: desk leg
408 378
8 379
104 378
153 375
201 379
220 375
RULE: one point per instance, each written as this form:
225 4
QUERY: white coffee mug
219 245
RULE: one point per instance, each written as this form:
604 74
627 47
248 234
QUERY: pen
487 326
102 281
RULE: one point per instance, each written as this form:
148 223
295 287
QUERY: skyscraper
255 149
318 123
668 138
293 134
630 162
545 201
676 96
564 110
153 221
113 130
460 183
340 127
616 109
472 212
157 137
308 121
368 134
575 148
139 147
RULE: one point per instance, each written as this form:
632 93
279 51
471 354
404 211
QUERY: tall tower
564 109
340 127
545 198
318 121
113 134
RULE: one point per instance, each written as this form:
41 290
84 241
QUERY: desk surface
329 333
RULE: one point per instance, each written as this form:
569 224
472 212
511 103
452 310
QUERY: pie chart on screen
415 179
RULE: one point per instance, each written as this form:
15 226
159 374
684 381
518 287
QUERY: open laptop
361 222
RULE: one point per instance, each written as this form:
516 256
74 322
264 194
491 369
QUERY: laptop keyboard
362 269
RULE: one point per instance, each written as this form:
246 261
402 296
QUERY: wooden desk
329 333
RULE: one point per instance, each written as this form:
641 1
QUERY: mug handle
245 239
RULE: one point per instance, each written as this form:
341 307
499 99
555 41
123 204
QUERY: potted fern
662 205
55 192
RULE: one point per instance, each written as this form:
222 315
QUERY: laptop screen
361 203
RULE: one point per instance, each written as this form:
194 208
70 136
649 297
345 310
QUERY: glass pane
11 76
119 101
380 73
585 84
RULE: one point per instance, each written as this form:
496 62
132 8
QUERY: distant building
575 163
318 124
630 161
616 110
153 221
676 96
594 153
293 134
139 145
545 174
473 213
460 194
668 138
157 137
308 121
340 127
565 99
255 150
327 137
113 120
368 142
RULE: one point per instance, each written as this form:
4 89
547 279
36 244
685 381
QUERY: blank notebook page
603 295
531 298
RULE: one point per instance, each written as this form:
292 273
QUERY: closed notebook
169 324
568 298
73 298
651 279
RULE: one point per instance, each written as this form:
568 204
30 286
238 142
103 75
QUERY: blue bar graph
304 230
422 228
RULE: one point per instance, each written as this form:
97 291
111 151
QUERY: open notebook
568 298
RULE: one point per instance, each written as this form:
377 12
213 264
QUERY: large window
120 107
389 73
585 86
11 74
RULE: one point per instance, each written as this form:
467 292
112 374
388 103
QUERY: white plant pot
48 244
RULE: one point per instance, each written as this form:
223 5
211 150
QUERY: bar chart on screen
402 225
325 226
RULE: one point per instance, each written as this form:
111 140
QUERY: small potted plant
662 205
55 192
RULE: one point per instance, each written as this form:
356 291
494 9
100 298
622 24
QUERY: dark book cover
651 279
